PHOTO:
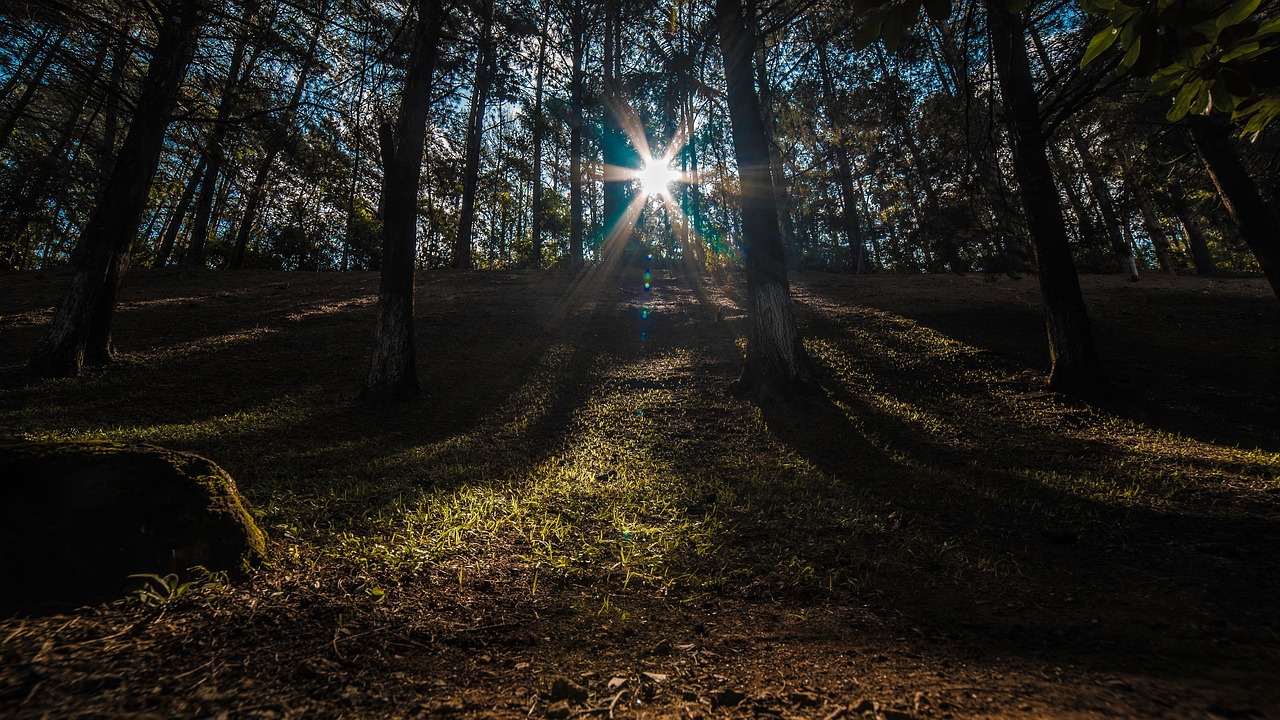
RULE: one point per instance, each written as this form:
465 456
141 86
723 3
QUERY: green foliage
889 21
1208 59
158 591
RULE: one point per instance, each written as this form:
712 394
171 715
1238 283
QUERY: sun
657 177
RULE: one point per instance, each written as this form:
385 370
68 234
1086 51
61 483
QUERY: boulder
78 518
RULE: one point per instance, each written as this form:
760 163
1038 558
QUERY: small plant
158 591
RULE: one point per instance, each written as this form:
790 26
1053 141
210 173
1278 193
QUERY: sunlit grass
623 467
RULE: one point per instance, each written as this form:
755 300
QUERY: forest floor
579 520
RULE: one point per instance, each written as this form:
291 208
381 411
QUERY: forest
656 358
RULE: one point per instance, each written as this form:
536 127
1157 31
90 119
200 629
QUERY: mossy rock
78 518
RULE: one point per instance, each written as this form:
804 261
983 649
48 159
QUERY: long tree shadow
1031 527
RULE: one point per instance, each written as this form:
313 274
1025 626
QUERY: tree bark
393 372
777 173
1258 224
462 246
109 235
535 250
577 82
613 140
1075 368
775 363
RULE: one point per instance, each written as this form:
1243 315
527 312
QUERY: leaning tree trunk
1075 367
1106 205
215 151
393 372
1258 224
1155 231
1200 255
29 93
108 238
279 136
776 362
174 226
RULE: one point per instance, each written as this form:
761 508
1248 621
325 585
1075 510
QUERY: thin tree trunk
1258 224
278 138
462 247
39 45
1088 229
849 209
777 174
111 231
1075 367
174 226
215 150
1200 255
577 82
33 86
1106 205
775 363
1155 231
613 139
1121 247
393 372
535 250
111 121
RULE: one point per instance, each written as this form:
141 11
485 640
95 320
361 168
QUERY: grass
558 453
655 480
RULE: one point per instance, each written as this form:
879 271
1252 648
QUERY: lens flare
657 177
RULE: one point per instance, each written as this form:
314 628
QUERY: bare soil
938 537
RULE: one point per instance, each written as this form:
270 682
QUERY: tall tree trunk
577 89
279 136
215 149
946 245
42 178
109 235
393 371
777 173
535 249
111 119
1075 366
613 140
1088 229
849 209
775 362
1258 224
462 247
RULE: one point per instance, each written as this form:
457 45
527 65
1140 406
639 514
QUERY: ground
580 519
